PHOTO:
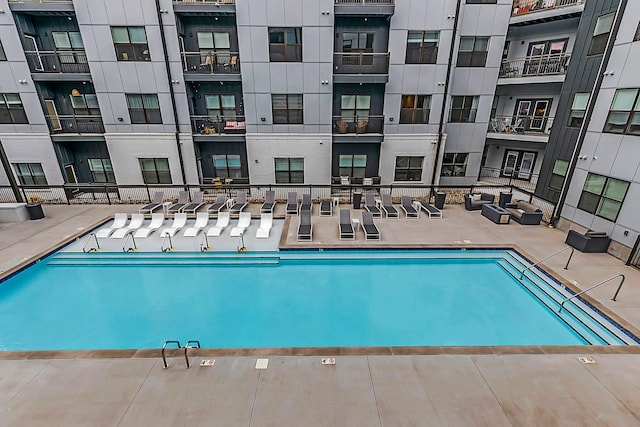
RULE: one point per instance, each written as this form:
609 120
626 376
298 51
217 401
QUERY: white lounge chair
119 221
157 220
136 222
243 223
221 224
266 222
179 221
202 219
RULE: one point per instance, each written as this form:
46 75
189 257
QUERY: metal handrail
204 244
595 286
187 346
164 240
133 240
164 359
566 266
87 242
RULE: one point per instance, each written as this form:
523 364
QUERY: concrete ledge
13 212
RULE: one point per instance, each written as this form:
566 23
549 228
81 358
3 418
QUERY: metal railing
211 62
538 65
520 124
75 124
522 7
510 177
92 249
67 61
566 266
41 1
214 2
216 125
133 242
358 124
364 2
595 286
360 63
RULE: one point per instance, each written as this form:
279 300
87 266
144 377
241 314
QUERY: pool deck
370 387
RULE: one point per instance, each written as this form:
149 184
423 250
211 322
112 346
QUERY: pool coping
342 351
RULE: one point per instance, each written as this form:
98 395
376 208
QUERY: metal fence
528 6
509 177
538 65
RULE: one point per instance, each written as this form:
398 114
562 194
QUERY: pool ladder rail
189 344
566 266
95 248
164 241
204 244
595 286
133 240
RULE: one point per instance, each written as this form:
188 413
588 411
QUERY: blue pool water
385 298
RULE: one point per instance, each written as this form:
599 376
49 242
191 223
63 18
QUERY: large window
227 166
601 34
422 47
558 174
415 109
353 165
130 43
454 164
473 51
144 109
155 171
285 44
11 109
355 107
223 106
289 170
101 170
3 57
215 48
578 108
30 173
624 114
85 104
408 168
287 109
463 109
69 46
603 196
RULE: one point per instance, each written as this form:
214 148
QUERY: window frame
577 114
632 115
416 113
145 115
31 176
3 54
427 50
227 171
469 112
598 199
451 165
597 45
474 57
131 51
12 115
558 177
291 52
355 114
288 175
289 115
411 172
348 169
222 112
162 176
106 170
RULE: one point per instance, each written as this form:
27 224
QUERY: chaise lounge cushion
591 241
525 213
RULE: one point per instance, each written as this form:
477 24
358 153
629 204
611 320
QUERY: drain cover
262 363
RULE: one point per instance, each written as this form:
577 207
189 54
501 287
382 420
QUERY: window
85 104
227 166
101 170
624 114
557 175
3 57
578 108
473 51
289 170
601 34
223 106
130 43
11 109
30 173
215 48
463 109
144 109
66 43
408 168
482 1
353 165
285 44
422 47
454 164
287 109
355 107
603 196
415 109
636 37
357 43
155 171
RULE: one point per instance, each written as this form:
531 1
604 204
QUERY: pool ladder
595 286
132 248
189 344
164 241
92 249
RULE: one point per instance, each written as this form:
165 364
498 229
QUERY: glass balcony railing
365 2
518 125
360 63
211 63
541 65
58 62
75 124
358 124
522 7
216 125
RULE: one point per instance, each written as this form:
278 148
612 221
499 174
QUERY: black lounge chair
218 205
387 207
183 200
269 202
371 232
326 208
407 206
195 204
370 204
431 210
292 203
306 203
156 203
305 229
345 226
240 203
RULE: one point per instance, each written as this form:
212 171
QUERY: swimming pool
72 301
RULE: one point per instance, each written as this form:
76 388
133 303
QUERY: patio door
34 54
510 163
70 174
52 114
526 165
539 115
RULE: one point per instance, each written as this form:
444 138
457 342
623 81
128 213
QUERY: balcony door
52 114
33 53
531 114
518 164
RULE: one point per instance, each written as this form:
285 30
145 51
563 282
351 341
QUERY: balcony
216 125
527 12
223 66
75 124
41 5
58 62
521 128
365 7
536 66
523 7
358 125
222 7
357 63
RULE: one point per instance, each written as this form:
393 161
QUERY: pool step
167 259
